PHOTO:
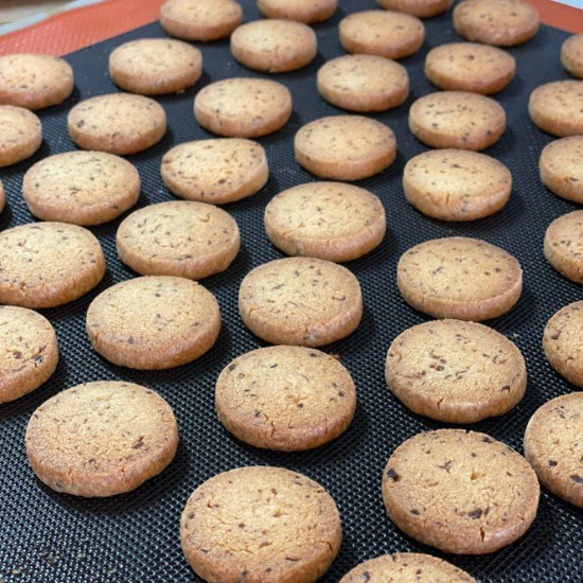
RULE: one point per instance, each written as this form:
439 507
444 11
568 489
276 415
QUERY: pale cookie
81 187
119 123
260 523
155 66
153 322
455 371
563 245
286 398
345 147
456 185
21 134
553 445
274 45
28 351
308 11
561 170
460 491
200 20
43 265
101 438
183 238
330 220
380 32
363 83
300 300
459 277
243 107
496 22
420 8
572 55
34 81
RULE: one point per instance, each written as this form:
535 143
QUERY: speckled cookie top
560 167
563 245
572 55
308 11
20 134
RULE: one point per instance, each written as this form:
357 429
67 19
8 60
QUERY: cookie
303 301
563 245
243 107
286 398
469 67
101 438
274 45
330 220
560 168
460 278
183 238
118 123
43 265
260 523
308 11
345 147
153 322
460 491
456 185
553 446
29 352
420 8
34 81
363 83
81 187
457 119
155 66
455 371
380 32
572 55
496 22
21 134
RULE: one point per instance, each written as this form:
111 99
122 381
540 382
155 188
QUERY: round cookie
274 45
118 123
363 83
456 185
28 351
560 168
345 147
330 220
21 134
308 11
455 371
572 55
155 66
101 438
183 238
457 119
286 398
34 81
243 107
43 265
460 491
260 523
553 446
380 32
460 278
420 8
81 187
563 245
300 300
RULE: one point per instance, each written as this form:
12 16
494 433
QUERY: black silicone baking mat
45 536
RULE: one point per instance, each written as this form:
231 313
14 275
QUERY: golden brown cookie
560 168
420 8
563 245
308 11
21 134
572 55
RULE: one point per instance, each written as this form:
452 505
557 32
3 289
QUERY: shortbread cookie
260 523
286 398
34 81
455 371
560 168
29 352
572 55
81 187
155 66
43 265
460 491
563 245
330 220
457 119
101 438
496 22
300 300
183 238
20 134
470 67
456 185
119 123
553 446
363 83
243 107
274 45
459 277
345 147
420 8
308 11
381 32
